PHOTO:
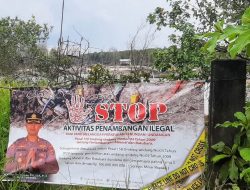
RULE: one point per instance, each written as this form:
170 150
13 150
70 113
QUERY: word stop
136 112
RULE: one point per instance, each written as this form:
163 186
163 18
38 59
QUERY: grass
4 133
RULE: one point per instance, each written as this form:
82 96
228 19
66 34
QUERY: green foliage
184 60
181 59
51 67
204 12
20 43
134 77
144 76
4 123
245 153
4 132
236 37
245 174
99 75
235 160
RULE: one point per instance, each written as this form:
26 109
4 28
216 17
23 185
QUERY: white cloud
106 23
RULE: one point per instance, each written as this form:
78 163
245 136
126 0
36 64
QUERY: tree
205 13
184 60
52 69
99 75
138 45
189 18
235 37
20 44
66 65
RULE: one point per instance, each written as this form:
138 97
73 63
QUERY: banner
134 136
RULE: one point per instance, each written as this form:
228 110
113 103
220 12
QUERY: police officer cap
34 117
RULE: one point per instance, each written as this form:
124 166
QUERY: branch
202 14
224 50
244 58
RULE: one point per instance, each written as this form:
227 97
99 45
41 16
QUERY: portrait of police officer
32 153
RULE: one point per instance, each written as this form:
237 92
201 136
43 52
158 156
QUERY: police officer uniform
43 159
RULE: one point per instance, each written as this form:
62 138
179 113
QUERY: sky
106 24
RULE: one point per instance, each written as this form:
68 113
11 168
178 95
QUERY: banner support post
227 96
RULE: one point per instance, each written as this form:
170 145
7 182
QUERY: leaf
240 162
245 153
247 113
227 150
225 124
237 124
231 32
218 146
241 116
206 35
245 172
235 187
246 175
245 19
240 43
230 46
230 124
247 139
219 157
224 173
247 179
233 171
232 37
211 44
248 50
219 26
247 105
237 139
234 148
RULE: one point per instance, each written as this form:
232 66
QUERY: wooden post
227 96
